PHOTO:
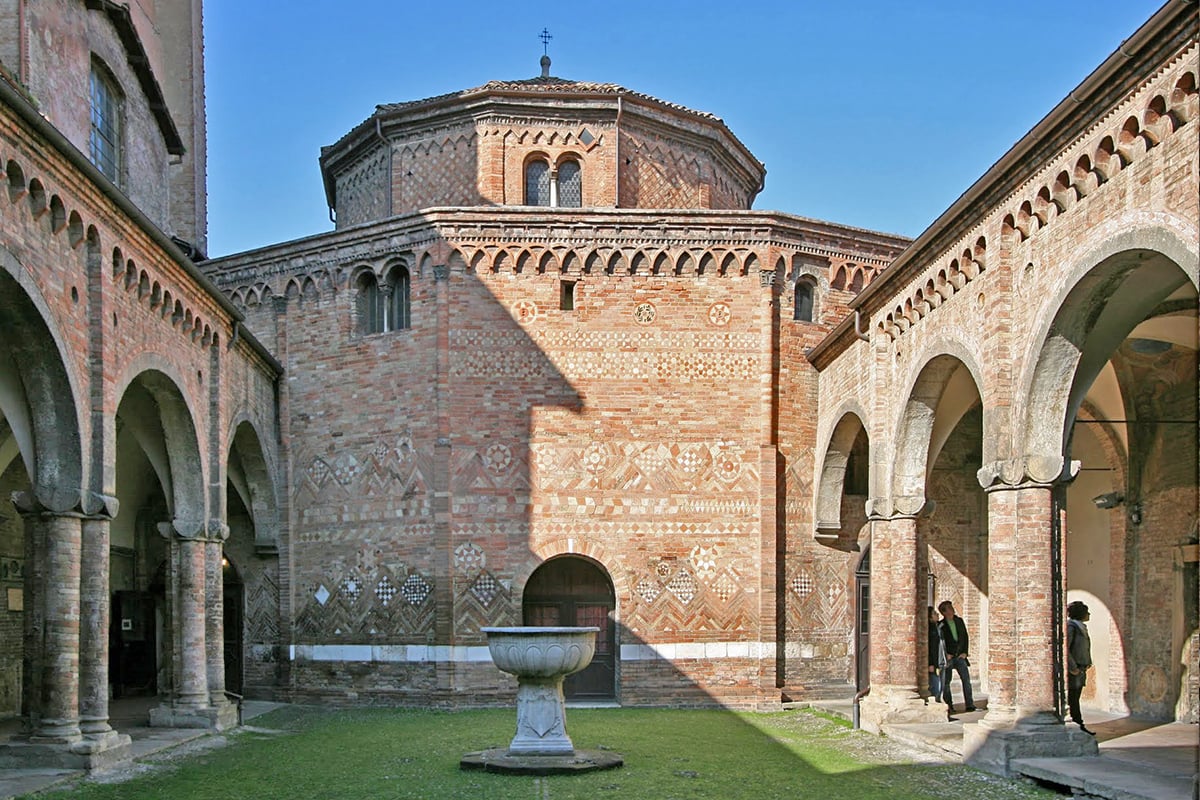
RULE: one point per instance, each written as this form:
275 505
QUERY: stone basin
541 652
541 657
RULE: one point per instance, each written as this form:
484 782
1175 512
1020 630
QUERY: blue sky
868 113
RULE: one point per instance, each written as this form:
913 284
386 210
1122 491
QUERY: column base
214 718
93 755
896 705
993 749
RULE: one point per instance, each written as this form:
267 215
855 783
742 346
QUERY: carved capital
1025 472
766 277
441 272
900 507
218 531
182 528
65 502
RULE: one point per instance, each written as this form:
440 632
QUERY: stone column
898 627
1021 721
56 545
224 713
193 667
95 613
101 746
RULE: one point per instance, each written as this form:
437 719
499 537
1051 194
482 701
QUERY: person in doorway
957 641
1079 658
937 657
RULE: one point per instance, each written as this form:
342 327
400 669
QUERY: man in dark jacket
957 641
1079 658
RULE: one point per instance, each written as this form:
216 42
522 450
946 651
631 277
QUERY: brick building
551 367
131 396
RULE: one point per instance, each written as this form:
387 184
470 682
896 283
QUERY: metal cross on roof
545 37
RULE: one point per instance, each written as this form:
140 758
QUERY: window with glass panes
105 138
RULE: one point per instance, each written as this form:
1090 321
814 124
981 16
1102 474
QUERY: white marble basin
541 658
534 652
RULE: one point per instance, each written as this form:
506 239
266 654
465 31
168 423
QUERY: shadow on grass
668 754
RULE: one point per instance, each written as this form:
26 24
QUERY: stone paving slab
1105 778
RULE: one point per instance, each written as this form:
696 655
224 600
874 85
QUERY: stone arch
827 515
159 415
251 475
38 394
1141 260
938 397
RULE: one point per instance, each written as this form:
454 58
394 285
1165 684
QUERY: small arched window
368 305
805 308
105 138
570 185
537 183
398 296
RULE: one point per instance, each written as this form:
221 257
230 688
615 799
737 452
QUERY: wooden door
574 592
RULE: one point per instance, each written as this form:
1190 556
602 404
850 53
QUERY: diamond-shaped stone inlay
648 590
415 589
683 586
725 586
385 590
485 588
802 584
322 594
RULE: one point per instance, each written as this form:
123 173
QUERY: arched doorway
573 591
232 603
862 623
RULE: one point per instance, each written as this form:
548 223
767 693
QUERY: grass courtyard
299 753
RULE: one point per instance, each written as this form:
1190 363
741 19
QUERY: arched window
537 183
805 301
105 144
398 291
570 185
369 307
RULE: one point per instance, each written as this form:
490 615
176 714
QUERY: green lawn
324 754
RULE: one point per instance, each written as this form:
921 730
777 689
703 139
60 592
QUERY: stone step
1097 777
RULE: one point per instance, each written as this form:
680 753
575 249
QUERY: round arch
37 393
159 416
573 590
945 388
828 512
1143 262
249 473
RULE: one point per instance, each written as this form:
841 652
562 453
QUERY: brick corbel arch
586 548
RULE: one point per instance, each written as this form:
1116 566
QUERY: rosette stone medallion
541 657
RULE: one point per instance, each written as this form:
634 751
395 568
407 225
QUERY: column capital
218 531
65 502
1026 472
901 507
188 529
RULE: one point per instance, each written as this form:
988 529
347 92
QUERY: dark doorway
862 626
133 663
232 604
571 591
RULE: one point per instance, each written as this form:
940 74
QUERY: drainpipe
854 711
22 46
391 166
858 331
617 172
